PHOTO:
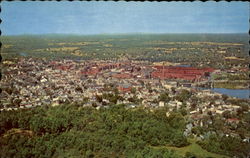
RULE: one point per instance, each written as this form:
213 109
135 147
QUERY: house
219 111
55 101
122 76
125 87
161 104
233 120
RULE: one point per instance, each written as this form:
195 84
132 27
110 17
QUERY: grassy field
232 85
177 48
195 149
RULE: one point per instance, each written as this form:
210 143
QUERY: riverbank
231 85
238 93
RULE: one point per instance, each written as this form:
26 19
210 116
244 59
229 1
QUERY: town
37 82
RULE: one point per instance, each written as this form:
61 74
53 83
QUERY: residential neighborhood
37 82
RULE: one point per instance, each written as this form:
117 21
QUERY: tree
133 90
242 132
116 91
210 113
9 90
245 107
99 98
164 97
240 111
179 140
218 124
78 89
94 105
226 114
17 102
197 130
247 117
89 154
194 100
173 90
176 120
224 97
113 99
183 95
183 111
193 106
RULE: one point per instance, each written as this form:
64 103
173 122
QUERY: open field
195 149
214 50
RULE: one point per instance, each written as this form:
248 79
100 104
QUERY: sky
22 17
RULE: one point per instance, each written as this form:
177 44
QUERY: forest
117 131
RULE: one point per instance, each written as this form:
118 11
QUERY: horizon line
135 33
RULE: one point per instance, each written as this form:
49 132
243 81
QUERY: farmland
203 50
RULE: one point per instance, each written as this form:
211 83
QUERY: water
23 54
184 65
238 93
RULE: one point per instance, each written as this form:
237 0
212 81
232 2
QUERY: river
238 93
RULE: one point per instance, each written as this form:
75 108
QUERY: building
184 73
124 87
